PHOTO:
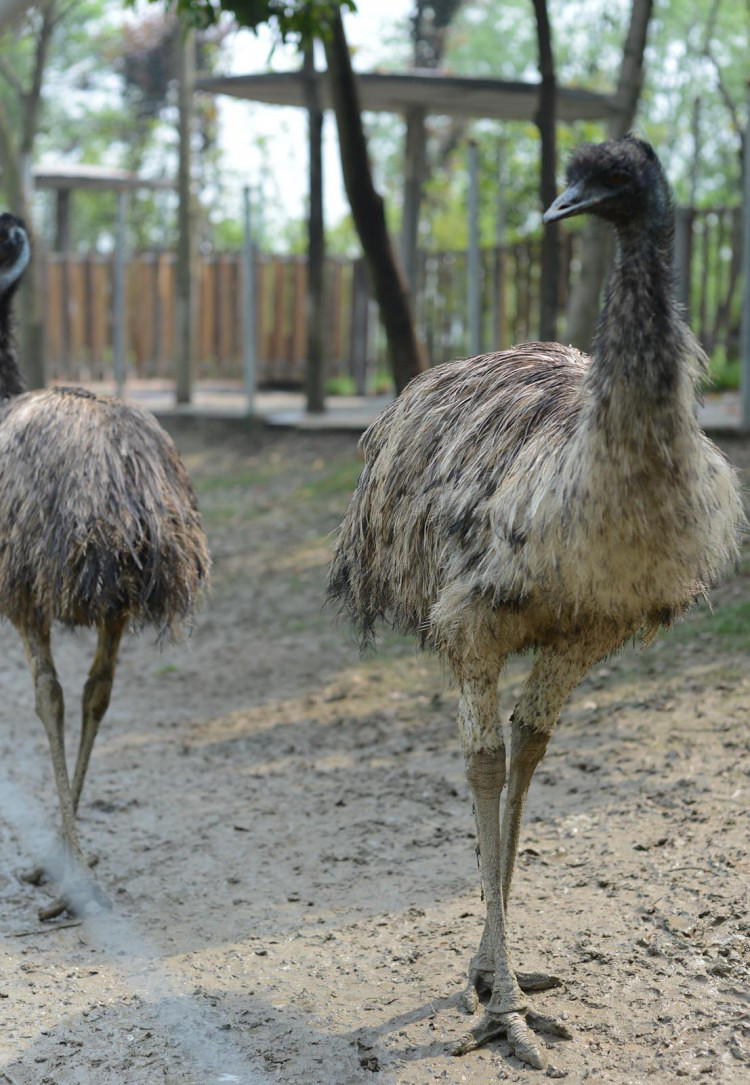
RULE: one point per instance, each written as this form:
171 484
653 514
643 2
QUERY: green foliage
300 19
731 622
724 374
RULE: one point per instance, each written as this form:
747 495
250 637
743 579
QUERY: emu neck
640 354
11 380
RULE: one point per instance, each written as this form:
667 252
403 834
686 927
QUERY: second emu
541 499
98 527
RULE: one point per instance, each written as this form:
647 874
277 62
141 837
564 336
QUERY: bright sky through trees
267 144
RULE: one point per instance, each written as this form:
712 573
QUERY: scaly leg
485 772
96 694
554 675
78 891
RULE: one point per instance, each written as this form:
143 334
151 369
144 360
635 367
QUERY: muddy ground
285 831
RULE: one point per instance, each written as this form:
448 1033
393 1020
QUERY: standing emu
98 527
540 499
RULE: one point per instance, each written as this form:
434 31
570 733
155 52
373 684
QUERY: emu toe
481 980
83 898
517 1029
41 874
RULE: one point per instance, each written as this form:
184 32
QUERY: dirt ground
285 831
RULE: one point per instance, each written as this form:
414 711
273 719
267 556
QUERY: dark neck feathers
641 346
11 380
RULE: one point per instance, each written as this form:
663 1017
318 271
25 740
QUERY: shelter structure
414 95
64 179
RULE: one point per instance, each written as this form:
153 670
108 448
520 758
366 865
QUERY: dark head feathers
629 154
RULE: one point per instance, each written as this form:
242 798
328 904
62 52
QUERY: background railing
77 293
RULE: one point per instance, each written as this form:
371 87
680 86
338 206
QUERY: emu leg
79 892
482 739
96 695
554 674
507 1011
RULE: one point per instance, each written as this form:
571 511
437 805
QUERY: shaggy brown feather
433 462
108 528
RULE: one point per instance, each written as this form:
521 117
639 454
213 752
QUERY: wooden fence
714 297
77 291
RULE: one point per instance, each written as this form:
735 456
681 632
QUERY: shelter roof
436 92
97 178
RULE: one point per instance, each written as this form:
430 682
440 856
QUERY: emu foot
82 897
517 1028
41 874
481 980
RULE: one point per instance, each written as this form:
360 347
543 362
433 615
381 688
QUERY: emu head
621 180
15 252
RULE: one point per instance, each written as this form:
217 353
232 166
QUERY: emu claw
537 981
518 1033
83 899
40 875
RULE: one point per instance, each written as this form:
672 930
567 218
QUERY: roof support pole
62 220
499 289
249 325
414 172
185 306
315 370
745 325
118 293
475 303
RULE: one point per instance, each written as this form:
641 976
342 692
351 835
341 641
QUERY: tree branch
9 161
10 76
32 100
726 96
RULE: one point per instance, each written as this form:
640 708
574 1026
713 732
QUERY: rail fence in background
77 293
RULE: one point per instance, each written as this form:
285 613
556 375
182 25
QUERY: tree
429 26
16 156
306 20
407 355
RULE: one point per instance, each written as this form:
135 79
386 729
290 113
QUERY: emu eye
615 180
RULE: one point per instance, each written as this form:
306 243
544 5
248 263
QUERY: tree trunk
32 327
407 354
597 244
315 377
545 121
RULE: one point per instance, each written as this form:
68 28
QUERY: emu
539 499
98 527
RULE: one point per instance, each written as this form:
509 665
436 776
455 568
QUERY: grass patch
340 386
254 476
724 373
221 515
731 622
339 480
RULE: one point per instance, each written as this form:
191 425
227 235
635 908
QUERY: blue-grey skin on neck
10 275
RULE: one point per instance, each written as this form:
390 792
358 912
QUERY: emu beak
573 201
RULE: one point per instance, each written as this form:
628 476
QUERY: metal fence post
249 331
475 310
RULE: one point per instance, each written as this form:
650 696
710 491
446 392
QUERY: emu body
98 527
541 499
